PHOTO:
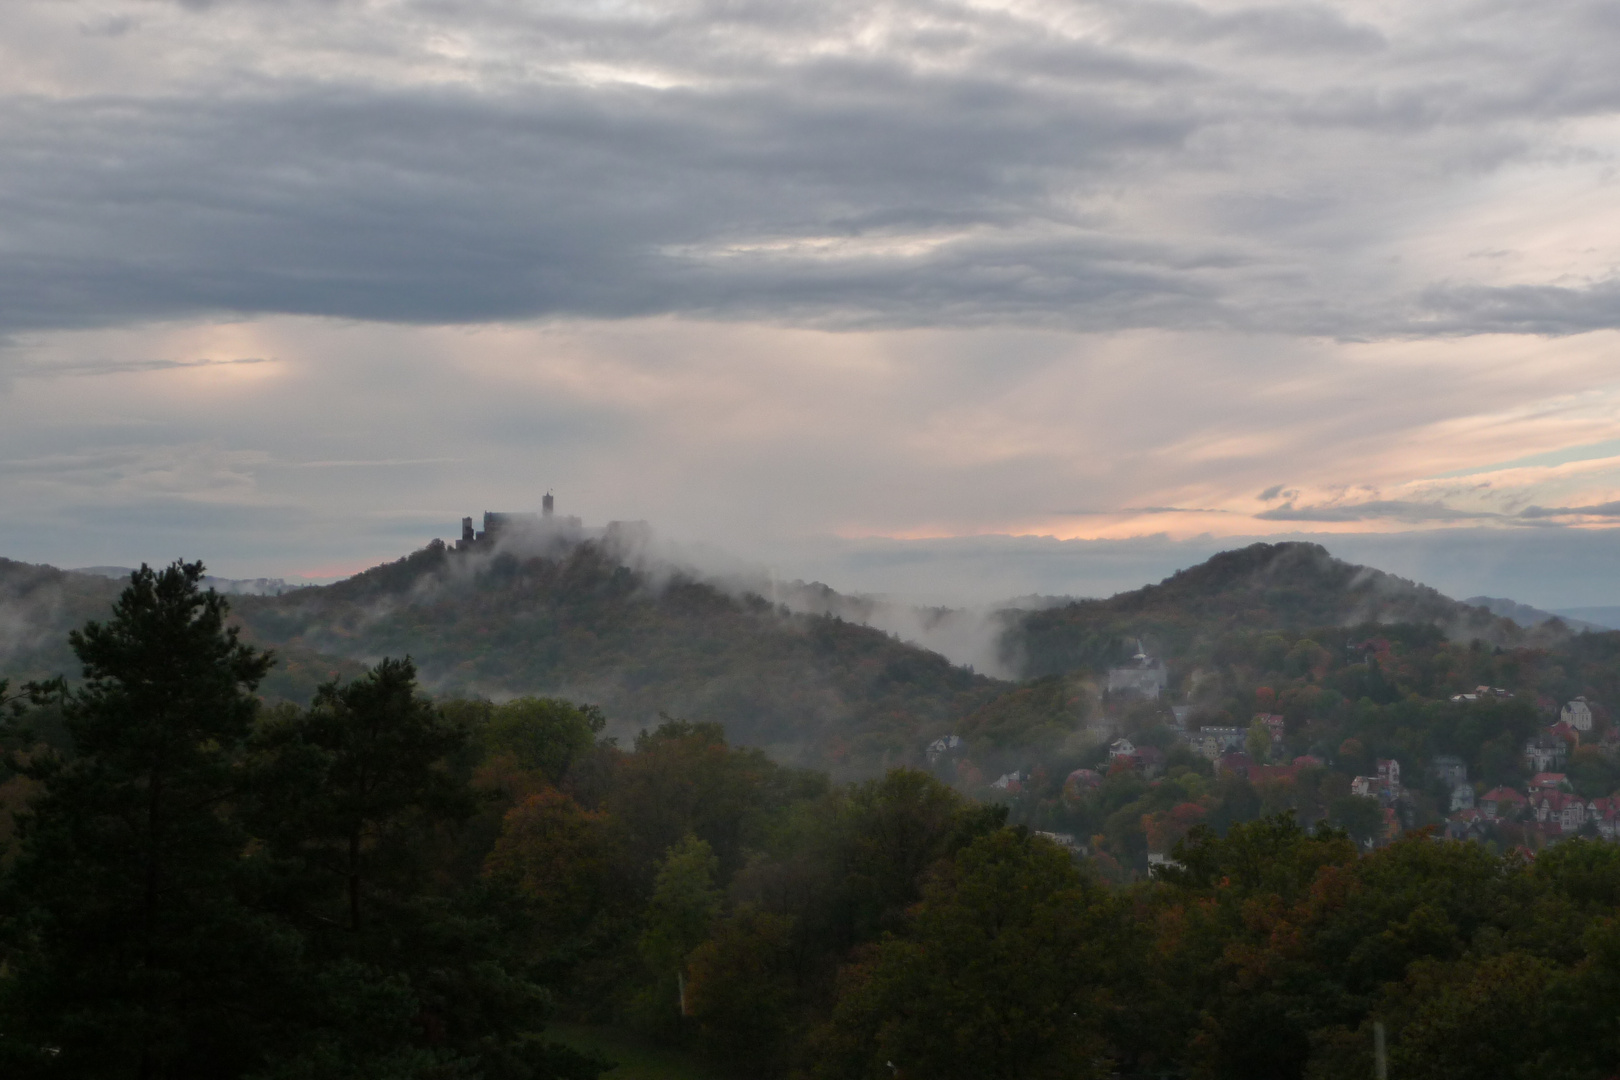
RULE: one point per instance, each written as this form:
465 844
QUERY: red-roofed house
1565 731
1502 802
1465 825
1236 762
1548 781
1151 758
1309 761
1561 810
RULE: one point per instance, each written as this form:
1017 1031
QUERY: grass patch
636 1059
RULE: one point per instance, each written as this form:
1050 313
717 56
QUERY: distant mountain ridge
1527 616
1606 617
38 606
229 586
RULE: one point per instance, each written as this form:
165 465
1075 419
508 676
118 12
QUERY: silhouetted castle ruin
497 522
546 530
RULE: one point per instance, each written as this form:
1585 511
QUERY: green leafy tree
1358 815
683 906
544 735
682 779
134 955
1001 976
741 993
1258 742
1477 1019
410 973
899 827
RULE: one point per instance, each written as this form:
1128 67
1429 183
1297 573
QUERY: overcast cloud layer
294 285
1346 169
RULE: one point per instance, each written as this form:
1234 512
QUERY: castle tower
546 505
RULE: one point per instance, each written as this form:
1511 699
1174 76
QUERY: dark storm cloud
1104 165
364 205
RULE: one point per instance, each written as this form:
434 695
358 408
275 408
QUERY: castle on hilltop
496 523
546 530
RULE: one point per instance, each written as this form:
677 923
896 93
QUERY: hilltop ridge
1286 586
576 621
799 674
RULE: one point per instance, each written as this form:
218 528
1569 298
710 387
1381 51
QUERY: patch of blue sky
1587 452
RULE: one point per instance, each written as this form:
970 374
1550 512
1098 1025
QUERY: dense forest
200 882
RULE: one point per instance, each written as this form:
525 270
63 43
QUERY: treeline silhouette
383 886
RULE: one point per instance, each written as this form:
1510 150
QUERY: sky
943 299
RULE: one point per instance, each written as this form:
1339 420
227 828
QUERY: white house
1121 748
1577 714
1012 782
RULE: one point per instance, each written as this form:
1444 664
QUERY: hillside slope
577 622
1289 586
638 640
38 606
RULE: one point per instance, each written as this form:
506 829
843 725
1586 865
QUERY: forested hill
1263 587
41 605
578 623
38 606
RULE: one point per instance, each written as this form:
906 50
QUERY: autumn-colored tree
740 993
559 857
1166 828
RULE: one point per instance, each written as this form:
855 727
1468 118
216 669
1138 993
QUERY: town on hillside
1157 768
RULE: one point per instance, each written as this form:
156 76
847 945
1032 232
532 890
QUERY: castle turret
547 505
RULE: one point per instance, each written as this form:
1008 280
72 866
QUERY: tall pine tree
132 954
